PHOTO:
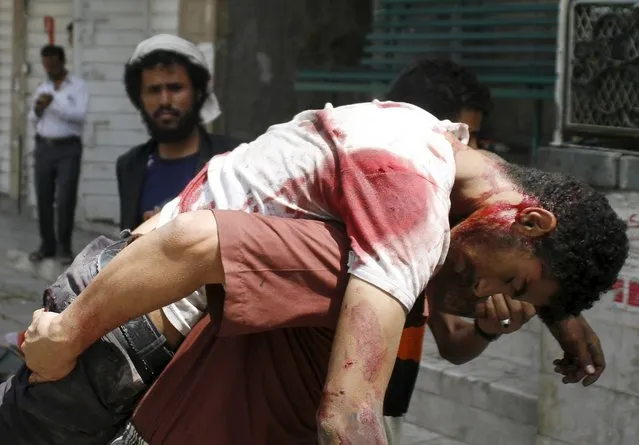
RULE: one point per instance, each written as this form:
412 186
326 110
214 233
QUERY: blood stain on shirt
193 190
389 104
383 197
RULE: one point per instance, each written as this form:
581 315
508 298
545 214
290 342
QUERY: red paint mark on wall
49 28
633 294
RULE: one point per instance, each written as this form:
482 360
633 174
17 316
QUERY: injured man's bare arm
158 317
362 359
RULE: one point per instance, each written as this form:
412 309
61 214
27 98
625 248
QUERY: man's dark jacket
131 172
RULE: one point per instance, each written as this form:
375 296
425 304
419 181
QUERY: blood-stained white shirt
384 169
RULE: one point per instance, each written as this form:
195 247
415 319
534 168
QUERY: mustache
172 111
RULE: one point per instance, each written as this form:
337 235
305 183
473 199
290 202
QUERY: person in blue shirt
170 91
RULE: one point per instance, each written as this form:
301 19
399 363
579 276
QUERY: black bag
90 405
10 361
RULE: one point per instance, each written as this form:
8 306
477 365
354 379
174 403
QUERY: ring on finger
505 323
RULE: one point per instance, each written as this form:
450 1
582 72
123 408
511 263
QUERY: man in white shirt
58 112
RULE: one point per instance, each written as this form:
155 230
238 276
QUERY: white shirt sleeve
183 314
70 104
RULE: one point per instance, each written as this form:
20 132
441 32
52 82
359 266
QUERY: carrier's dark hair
441 87
54 51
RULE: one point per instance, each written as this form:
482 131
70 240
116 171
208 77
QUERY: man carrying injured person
391 173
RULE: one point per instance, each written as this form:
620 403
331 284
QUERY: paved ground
20 286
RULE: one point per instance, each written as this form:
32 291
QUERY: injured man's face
492 253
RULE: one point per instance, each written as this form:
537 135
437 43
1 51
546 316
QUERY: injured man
391 175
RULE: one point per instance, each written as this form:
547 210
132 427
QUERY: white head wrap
167 42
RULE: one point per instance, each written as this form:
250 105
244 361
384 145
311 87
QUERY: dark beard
185 127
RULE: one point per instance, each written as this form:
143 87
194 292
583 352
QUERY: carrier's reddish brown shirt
252 371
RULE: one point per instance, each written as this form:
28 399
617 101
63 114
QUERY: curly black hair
440 87
199 75
589 245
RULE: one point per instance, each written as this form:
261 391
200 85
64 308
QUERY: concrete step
523 346
20 295
489 401
415 435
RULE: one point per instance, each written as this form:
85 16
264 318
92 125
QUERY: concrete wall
607 412
6 33
600 167
164 16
